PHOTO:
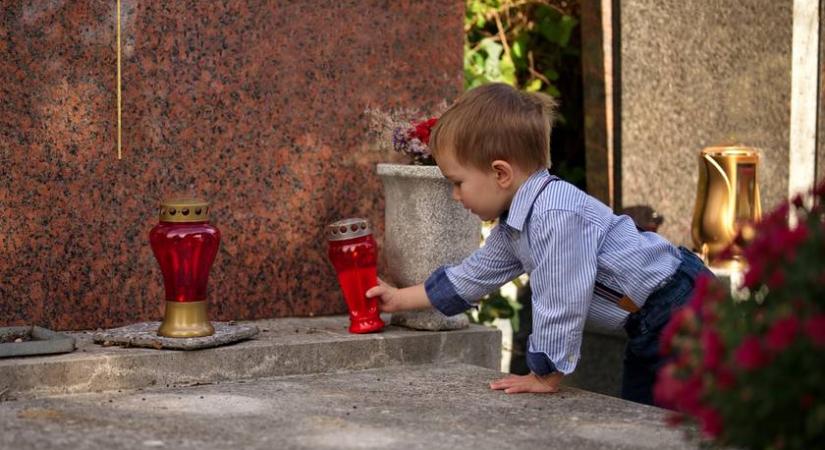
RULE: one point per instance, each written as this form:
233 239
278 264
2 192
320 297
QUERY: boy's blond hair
497 121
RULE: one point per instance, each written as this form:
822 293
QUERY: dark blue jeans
642 359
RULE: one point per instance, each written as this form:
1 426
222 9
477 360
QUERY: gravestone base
144 334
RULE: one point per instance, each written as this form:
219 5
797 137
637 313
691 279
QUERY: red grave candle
353 253
185 245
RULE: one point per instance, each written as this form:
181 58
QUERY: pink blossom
753 275
750 355
782 333
670 330
712 349
674 419
815 329
667 386
711 422
725 378
777 279
689 398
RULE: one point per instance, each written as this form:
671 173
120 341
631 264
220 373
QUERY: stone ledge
289 346
447 406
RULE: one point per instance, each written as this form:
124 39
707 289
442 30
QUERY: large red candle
352 251
185 245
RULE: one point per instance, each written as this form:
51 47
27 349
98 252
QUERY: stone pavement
289 346
424 406
306 383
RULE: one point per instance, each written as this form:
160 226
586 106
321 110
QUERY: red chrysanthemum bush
750 371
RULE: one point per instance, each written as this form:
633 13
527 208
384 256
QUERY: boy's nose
456 195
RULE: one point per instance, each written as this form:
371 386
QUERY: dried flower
412 141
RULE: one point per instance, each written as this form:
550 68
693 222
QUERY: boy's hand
514 384
393 299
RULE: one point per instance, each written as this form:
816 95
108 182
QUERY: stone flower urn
424 229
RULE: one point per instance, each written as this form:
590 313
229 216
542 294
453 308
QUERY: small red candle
185 245
352 251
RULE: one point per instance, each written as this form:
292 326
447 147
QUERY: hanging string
119 127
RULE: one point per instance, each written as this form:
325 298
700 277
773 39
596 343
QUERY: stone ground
445 406
306 383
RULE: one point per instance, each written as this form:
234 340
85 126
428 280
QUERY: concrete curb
290 346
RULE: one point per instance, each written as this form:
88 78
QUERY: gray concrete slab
288 346
414 407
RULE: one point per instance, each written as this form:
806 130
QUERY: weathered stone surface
696 73
423 407
424 229
600 367
257 106
31 340
283 347
430 319
145 335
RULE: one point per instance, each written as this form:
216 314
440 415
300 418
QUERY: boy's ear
503 172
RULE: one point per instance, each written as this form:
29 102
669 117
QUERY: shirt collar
523 200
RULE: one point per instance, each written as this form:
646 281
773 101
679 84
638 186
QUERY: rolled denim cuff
442 293
539 363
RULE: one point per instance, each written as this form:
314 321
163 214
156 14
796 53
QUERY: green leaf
558 30
508 70
533 86
551 74
554 91
566 26
518 49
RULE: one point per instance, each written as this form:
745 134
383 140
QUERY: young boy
584 262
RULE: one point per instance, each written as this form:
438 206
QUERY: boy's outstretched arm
393 299
539 384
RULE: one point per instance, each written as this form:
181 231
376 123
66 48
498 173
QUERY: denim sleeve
539 363
454 289
442 294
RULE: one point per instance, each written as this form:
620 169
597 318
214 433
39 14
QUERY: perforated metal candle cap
348 229
184 210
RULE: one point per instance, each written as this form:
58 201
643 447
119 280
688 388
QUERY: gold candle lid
348 229
184 210
730 150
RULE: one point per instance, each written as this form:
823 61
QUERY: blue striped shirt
566 241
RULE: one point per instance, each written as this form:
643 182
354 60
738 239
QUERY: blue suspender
619 299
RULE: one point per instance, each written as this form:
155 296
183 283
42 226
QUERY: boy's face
477 190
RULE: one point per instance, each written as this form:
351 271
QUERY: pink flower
712 349
674 419
777 279
815 329
711 422
725 378
754 275
667 386
782 333
749 355
670 330
690 395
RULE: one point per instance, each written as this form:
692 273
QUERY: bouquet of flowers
413 139
750 371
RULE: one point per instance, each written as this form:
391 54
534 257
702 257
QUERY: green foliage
497 306
521 43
